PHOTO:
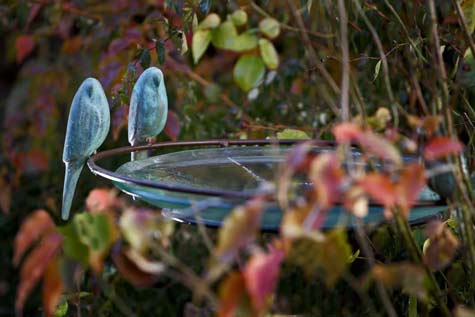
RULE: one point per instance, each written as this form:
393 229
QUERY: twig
368 253
441 66
384 62
286 26
404 230
314 60
411 41
351 280
463 23
345 72
189 278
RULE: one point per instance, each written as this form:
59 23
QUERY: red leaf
34 267
35 9
298 159
260 274
36 160
440 147
346 132
327 177
24 44
52 287
377 145
410 184
380 188
38 224
173 126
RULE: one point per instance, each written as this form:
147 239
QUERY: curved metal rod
97 170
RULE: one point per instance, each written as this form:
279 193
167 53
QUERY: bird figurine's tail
73 170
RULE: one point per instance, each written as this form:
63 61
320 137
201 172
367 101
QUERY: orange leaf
410 184
34 267
440 147
131 272
232 296
101 199
239 228
38 224
52 287
24 44
260 274
441 246
346 132
380 188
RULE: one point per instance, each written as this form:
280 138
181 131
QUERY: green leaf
72 245
145 58
244 42
93 230
61 310
226 37
249 71
377 68
330 255
268 53
292 134
468 9
200 42
210 22
239 17
160 49
270 27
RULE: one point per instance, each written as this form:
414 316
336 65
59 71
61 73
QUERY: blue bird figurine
88 125
148 109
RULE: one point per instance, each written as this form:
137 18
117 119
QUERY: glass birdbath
209 178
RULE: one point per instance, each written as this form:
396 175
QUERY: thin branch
345 75
398 18
259 10
463 23
384 60
361 237
314 60
440 66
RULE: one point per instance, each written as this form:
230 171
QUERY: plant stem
314 60
416 256
368 253
345 75
411 41
463 23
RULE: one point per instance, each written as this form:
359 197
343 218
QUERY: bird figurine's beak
88 125
148 109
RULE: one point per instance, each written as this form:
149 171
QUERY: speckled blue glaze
88 125
148 107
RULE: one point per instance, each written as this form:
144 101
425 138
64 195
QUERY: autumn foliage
377 95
